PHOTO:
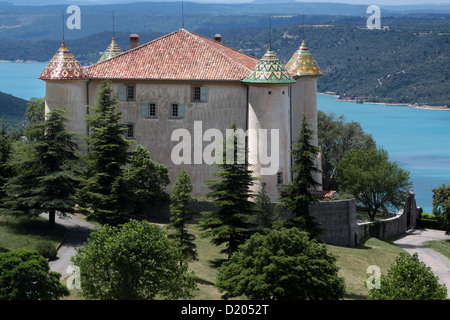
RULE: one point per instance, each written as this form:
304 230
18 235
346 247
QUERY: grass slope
442 247
18 233
354 261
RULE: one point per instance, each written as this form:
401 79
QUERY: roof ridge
206 59
134 49
219 43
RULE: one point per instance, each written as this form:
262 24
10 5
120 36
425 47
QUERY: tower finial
270 27
303 26
63 18
113 23
182 14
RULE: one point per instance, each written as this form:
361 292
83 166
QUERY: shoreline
413 105
22 61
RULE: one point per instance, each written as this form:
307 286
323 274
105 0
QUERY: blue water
417 139
21 79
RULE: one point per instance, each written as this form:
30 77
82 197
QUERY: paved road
77 233
412 242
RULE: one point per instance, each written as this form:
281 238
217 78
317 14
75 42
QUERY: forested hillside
12 109
408 61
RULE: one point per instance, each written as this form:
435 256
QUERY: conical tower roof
269 70
303 64
63 66
112 51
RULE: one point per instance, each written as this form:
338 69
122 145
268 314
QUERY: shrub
134 262
47 249
281 265
430 221
26 275
409 279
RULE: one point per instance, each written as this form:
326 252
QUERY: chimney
218 38
134 41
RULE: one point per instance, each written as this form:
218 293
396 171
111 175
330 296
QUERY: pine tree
181 215
6 144
231 194
266 212
46 177
296 196
104 194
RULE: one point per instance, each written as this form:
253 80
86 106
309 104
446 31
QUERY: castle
184 81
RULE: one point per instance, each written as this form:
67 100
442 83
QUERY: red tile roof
323 193
181 55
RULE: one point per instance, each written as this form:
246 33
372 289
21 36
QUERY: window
175 110
178 110
127 93
197 95
279 178
152 110
129 134
130 93
148 110
200 94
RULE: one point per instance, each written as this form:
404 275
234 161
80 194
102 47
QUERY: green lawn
354 261
26 233
442 247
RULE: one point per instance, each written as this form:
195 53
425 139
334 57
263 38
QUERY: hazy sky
367 2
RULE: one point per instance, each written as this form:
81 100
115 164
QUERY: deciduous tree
134 262
408 279
146 179
26 275
336 137
281 265
375 182
441 205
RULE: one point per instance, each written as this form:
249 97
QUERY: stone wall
337 218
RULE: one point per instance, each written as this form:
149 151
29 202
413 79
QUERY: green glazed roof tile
303 64
112 51
269 70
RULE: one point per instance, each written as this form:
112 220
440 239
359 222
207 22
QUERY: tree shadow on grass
32 226
216 263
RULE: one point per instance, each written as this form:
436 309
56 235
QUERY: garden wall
337 218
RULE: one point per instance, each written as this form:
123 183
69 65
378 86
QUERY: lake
417 139
21 79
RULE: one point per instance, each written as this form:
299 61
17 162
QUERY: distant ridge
12 109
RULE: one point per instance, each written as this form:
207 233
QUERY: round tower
305 71
66 88
268 123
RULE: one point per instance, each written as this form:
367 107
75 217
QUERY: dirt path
413 242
